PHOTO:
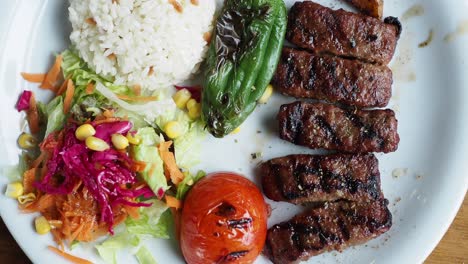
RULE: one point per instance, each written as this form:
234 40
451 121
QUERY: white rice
131 38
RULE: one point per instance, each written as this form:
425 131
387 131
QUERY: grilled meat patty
304 75
323 30
321 178
332 226
325 126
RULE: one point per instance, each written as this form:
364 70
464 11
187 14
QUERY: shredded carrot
139 166
108 113
38 161
55 223
33 115
106 120
137 98
68 97
69 257
75 233
40 204
33 77
53 75
29 177
63 87
173 202
51 141
89 88
170 165
132 211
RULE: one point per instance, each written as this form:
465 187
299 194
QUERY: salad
99 155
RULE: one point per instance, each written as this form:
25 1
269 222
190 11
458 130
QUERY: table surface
452 249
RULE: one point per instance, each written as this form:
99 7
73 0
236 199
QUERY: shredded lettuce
88 106
109 248
144 256
150 111
15 172
74 244
137 120
188 147
75 68
12 173
187 183
55 116
154 221
147 152
174 114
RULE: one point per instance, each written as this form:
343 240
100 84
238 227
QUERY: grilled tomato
224 219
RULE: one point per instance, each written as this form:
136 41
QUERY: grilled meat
324 77
372 8
332 226
325 126
315 178
323 30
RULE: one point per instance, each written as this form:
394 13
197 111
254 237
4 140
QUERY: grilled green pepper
242 59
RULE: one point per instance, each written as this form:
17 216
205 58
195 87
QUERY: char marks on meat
325 126
321 178
331 226
323 30
304 75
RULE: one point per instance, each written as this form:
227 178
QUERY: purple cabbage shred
105 174
23 101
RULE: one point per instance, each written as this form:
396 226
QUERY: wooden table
452 249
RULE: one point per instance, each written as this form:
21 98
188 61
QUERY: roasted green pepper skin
241 61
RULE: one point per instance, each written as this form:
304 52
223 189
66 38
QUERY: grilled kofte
334 79
325 126
323 30
321 178
332 226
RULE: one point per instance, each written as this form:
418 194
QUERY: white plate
429 97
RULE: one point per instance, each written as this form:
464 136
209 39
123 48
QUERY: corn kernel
42 225
85 131
96 144
14 190
194 110
27 141
173 129
191 103
235 131
119 141
266 95
181 98
26 198
134 140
